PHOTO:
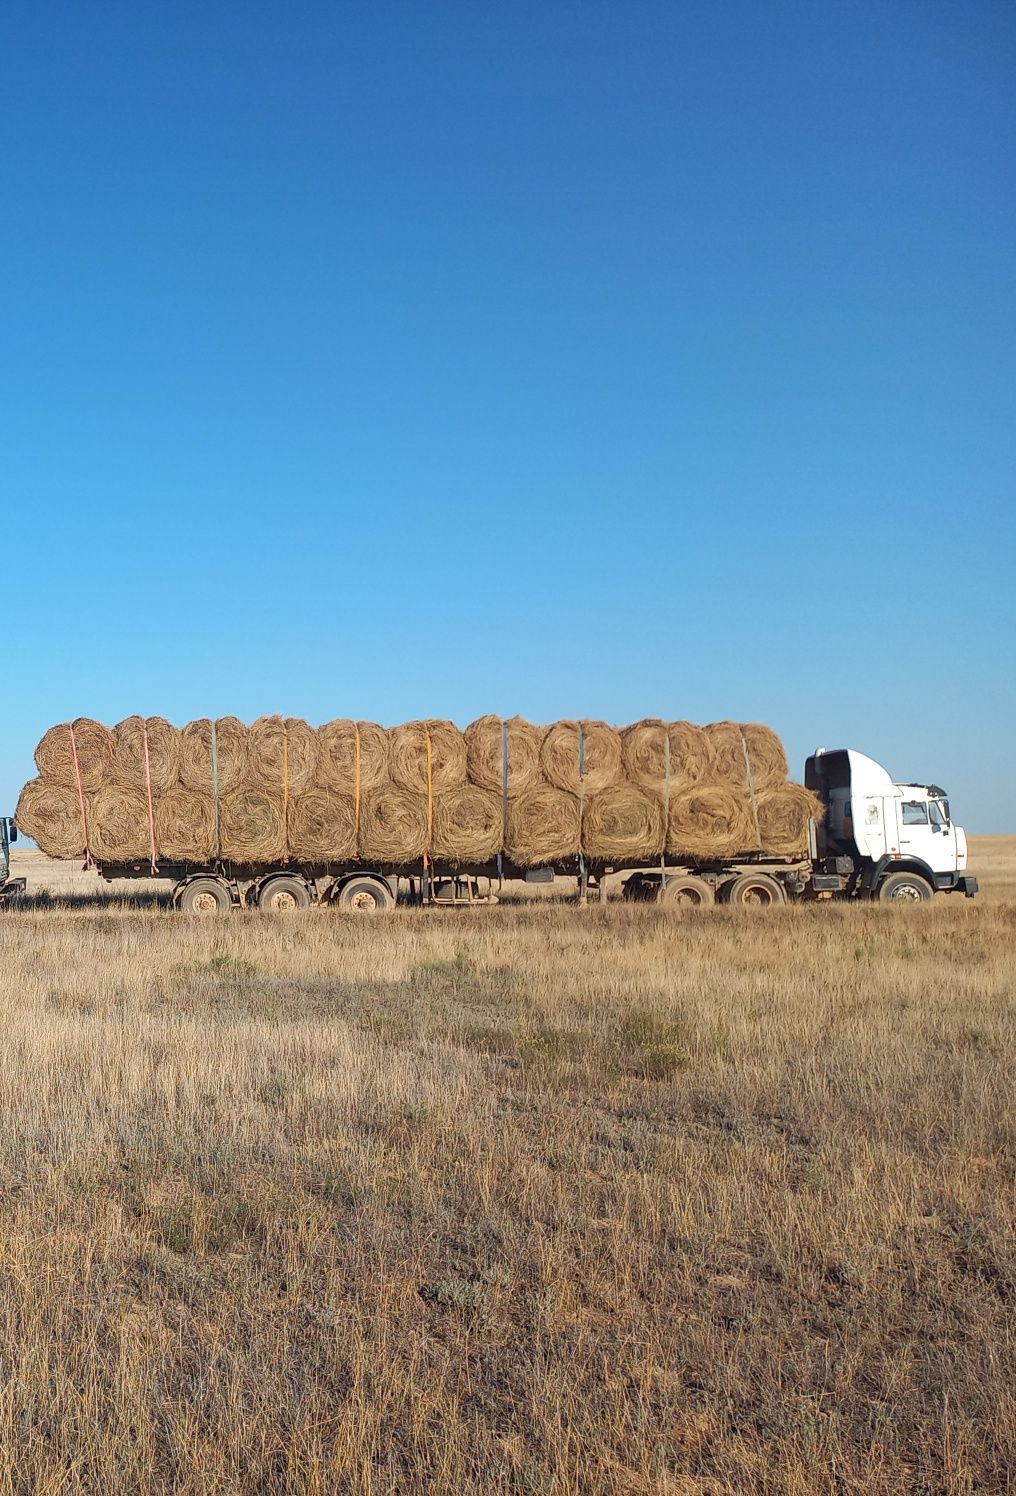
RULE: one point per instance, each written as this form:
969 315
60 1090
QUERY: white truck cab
10 888
886 840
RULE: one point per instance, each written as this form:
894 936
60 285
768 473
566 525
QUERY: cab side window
915 813
937 814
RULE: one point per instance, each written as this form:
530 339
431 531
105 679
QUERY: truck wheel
904 888
753 890
686 892
282 895
204 896
364 896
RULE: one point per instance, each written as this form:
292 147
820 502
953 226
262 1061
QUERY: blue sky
633 359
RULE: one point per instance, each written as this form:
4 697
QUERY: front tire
904 888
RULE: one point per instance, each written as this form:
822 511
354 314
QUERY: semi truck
877 840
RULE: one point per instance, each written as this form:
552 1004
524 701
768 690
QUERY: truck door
932 840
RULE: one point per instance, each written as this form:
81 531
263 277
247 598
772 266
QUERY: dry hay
196 755
55 755
185 828
322 826
485 753
783 815
393 825
623 822
730 741
643 752
543 826
281 755
253 828
408 755
118 826
710 821
559 756
468 825
129 766
51 815
337 754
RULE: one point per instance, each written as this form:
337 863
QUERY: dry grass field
530 1200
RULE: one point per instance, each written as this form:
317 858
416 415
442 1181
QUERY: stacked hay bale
281 791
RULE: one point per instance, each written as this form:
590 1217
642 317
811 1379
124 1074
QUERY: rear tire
283 895
205 896
685 891
364 896
753 890
904 888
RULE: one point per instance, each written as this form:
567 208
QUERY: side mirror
12 831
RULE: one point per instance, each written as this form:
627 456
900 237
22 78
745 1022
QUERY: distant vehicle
894 843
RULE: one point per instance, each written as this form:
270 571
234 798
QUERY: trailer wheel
904 888
284 894
753 890
686 892
204 896
364 896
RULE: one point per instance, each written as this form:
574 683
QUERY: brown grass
536 1200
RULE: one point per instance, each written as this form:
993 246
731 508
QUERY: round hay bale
185 826
54 756
118 829
51 815
129 753
485 751
253 829
783 815
407 755
710 820
623 823
468 825
643 754
543 826
196 754
559 756
393 825
322 826
281 755
729 741
336 764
